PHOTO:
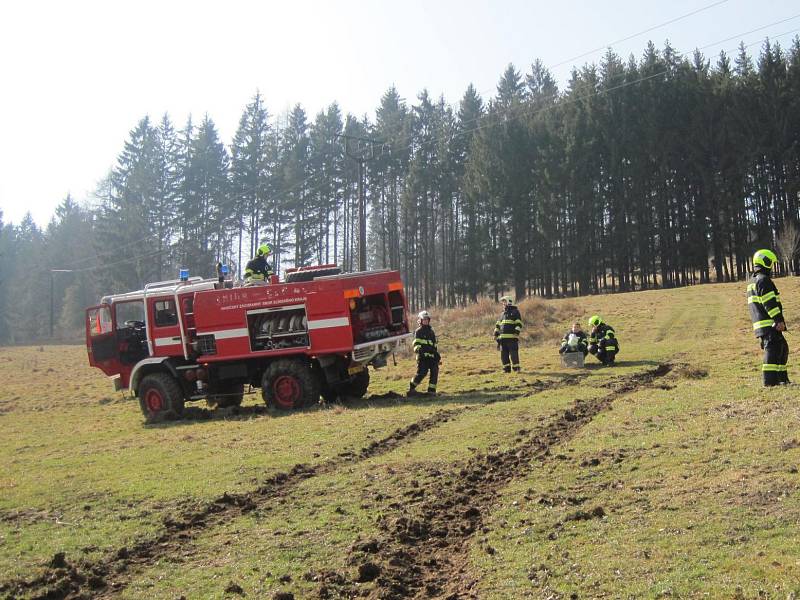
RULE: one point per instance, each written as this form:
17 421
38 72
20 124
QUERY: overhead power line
637 34
510 113
523 106
276 118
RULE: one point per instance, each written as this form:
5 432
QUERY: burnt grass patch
424 547
64 578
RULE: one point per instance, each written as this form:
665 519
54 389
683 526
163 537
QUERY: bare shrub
541 319
787 243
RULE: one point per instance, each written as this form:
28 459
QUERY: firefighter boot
412 390
770 378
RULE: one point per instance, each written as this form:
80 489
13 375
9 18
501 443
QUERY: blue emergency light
184 274
225 269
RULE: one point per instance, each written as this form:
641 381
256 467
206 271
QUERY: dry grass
543 319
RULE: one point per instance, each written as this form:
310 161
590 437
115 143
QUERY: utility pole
52 294
361 150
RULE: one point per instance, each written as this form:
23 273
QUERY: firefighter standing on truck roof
603 341
766 310
506 334
428 357
258 269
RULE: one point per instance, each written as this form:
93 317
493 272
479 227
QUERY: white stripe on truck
237 333
226 334
325 323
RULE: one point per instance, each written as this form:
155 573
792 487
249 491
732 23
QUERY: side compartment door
165 331
187 314
101 339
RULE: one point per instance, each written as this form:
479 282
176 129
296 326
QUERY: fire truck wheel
230 395
357 386
160 397
289 385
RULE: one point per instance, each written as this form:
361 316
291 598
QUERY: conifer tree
251 170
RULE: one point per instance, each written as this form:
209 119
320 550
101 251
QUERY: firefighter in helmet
506 334
428 357
602 340
258 269
766 311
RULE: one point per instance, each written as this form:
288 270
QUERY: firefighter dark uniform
428 356
603 341
258 268
574 341
766 311
506 334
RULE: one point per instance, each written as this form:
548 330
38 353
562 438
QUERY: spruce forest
662 170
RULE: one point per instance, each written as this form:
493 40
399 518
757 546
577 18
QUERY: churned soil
423 549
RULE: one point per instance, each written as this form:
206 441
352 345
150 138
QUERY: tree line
657 171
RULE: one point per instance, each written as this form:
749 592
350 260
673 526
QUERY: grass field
672 474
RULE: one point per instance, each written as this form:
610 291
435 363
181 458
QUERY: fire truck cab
205 339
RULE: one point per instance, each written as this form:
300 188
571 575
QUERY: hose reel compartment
278 328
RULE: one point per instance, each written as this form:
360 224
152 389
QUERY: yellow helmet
506 300
764 258
595 320
264 250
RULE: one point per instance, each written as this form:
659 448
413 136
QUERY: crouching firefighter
506 334
766 311
428 357
602 341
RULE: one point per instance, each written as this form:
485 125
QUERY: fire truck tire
289 385
231 395
357 386
160 397
310 274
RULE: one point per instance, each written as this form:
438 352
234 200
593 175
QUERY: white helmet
506 300
424 315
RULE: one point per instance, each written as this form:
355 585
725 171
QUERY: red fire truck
313 335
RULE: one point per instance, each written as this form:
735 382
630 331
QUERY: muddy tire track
669 324
64 579
423 551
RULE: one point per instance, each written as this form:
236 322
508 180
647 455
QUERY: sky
76 77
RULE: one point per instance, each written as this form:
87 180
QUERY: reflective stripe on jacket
425 342
604 333
509 325
764 303
257 269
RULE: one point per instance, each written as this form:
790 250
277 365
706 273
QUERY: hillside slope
670 474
